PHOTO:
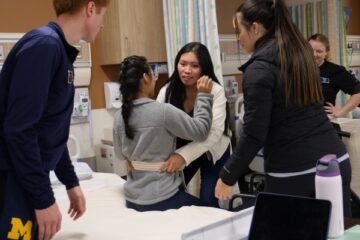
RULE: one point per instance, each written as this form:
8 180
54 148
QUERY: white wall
82 132
102 119
90 134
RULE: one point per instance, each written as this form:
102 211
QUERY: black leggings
304 185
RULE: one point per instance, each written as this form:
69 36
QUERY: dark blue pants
17 217
304 185
180 199
209 174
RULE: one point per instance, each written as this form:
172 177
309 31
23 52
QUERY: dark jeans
209 174
304 185
181 198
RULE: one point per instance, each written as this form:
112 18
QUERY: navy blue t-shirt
335 78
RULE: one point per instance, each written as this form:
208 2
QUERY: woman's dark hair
131 71
298 70
175 92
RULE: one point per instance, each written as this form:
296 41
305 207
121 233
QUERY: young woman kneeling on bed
144 136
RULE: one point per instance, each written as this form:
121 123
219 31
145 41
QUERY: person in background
283 106
191 63
36 103
144 135
334 78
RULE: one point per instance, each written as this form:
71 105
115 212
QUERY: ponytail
297 64
131 72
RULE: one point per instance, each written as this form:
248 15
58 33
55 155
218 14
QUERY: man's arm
26 103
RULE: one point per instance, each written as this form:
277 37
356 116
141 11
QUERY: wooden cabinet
133 27
353 24
225 13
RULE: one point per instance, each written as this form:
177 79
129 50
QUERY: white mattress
108 218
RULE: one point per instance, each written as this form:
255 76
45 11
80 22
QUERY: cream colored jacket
217 142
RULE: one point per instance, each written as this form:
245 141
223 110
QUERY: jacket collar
141 101
71 51
266 51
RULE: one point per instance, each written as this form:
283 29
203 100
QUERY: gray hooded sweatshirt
156 126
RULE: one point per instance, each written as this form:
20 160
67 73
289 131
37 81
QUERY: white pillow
82 170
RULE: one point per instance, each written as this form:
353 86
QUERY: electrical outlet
353 45
353 41
356 46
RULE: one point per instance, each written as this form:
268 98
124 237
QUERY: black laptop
280 217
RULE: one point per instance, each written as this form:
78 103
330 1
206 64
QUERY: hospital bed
107 217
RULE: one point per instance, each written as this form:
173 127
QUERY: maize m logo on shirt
19 231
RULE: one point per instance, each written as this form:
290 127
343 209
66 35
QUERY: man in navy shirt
36 102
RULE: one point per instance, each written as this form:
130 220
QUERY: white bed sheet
353 146
108 218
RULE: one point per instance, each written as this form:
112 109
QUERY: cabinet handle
127 46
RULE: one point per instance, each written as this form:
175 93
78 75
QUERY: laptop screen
289 217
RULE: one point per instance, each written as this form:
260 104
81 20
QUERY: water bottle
328 185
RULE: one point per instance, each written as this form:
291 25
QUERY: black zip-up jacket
36 102
293 137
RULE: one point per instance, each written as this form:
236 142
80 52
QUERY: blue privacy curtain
327 17
310 17
191 20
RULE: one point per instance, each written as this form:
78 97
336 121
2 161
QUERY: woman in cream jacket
192 62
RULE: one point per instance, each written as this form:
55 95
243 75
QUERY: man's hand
77 202
49 221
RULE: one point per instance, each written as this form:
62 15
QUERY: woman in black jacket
283 106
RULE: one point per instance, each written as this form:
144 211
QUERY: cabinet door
133 27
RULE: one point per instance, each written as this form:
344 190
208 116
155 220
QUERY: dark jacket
293 137
36 102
